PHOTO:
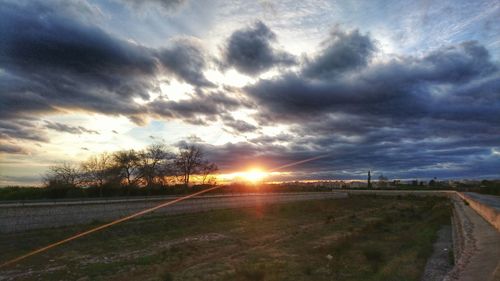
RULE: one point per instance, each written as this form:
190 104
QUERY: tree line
154 166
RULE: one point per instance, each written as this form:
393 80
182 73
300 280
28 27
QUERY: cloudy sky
410 89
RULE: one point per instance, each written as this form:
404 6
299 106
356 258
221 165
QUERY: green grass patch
358 238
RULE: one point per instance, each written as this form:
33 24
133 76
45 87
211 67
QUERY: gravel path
440 262
479 256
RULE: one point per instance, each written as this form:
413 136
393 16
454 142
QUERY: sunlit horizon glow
252 175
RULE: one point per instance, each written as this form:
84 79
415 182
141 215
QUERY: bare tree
151 161
207 168
127 164
154 165
188 161
62 175
96 170
165 171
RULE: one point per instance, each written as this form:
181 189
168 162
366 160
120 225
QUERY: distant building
357 184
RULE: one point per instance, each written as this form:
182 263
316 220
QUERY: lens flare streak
143 212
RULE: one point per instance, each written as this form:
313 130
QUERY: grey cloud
24 129
458 63
250 50
199 109
406 117
12 148
347 161
343 51
404 88
266 139
67 64
56 126
238 126
51 61
186 59
409 116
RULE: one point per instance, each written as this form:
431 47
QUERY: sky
407 89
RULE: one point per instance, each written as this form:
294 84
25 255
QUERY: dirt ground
358 238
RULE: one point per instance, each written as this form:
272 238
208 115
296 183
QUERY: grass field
357 238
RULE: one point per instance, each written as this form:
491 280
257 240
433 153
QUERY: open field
357 238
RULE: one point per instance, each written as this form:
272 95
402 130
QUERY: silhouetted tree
97 170
189 160
166 171
206 169
369 180
127 164
62 175
152 163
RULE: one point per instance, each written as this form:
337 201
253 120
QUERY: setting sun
254 175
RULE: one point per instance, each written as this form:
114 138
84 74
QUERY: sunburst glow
254 175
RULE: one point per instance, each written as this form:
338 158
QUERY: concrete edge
491 215
464 244
465 213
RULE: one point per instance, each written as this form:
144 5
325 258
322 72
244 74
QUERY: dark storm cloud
237 126
433 115
436 113
78 130
186 60
404 88
342 51
51 61
266 139
410 116
457 63
347 161
250 50
199 109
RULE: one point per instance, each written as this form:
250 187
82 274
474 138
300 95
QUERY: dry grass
359 238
